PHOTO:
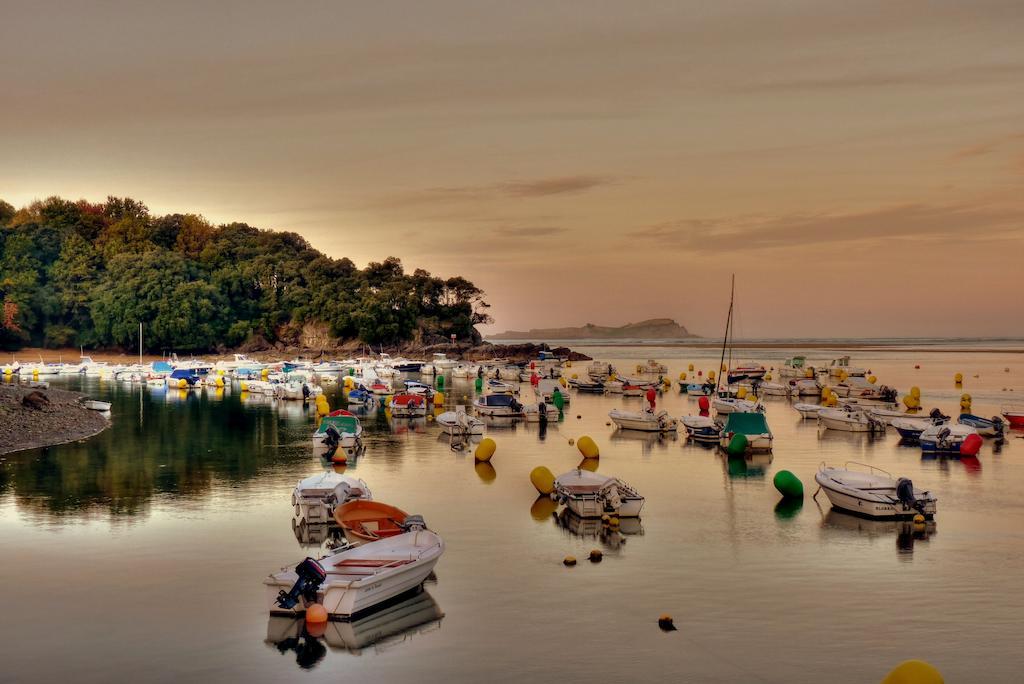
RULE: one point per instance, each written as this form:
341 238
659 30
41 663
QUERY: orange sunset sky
858 165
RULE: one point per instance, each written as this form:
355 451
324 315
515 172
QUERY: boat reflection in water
317 536
907 532
748 465
610 536
648 440
389 625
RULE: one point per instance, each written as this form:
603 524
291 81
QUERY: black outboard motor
888 394
305 392
332 438
413 522
311 576
905 493
998 425
543 409
938 417
515 406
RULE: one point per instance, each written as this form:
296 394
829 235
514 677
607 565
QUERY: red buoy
704 404
971 445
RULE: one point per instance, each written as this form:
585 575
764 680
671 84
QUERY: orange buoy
316 614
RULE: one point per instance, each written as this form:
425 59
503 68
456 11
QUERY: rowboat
367 521
647 421
1014 415
94 405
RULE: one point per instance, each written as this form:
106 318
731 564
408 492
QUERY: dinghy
356 579
366 521
874 493
94 405
726 405
809 410
591 495
1014 415
540 412
647 421
315 497
910 429
406 405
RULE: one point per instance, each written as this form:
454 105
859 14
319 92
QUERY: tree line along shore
83 274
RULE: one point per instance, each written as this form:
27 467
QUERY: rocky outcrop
651 329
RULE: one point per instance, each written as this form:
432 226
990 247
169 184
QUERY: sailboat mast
725 338
140 343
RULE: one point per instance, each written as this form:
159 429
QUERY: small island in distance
651 329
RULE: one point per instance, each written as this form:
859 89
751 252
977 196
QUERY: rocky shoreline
28 422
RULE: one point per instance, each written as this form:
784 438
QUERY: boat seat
371 563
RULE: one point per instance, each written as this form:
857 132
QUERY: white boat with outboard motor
945 438
645 420
701 429
460 423
353 580
874 493
316 496
849 419
591 495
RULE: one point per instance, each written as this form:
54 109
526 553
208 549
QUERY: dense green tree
84 273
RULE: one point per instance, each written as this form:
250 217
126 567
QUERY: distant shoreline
929 345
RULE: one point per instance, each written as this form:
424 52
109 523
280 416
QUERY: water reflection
610 536
906 532
749 465
788 507
386 628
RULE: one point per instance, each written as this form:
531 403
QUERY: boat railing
869 467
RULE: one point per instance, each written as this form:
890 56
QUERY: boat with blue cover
986 427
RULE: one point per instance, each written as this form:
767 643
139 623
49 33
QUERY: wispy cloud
908 221
538 187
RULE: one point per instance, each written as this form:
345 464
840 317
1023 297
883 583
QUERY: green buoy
788 484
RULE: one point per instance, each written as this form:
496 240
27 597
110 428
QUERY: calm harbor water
140 553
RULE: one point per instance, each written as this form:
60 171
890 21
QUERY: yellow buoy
562 382
918 518
690 368
244 385
767 376
741 393
588 447
914 672
339 456
596 556
219 381
958 378
542 508
711 375
265 373
439 399
182 383
666 623
682 376
613 521
825 392
569 560
322 407
724 368
915 392
486 472
590 464
485 449
574 376
542 479
911 402
872 379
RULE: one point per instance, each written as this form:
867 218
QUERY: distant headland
651 329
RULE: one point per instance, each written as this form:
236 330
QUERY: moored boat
458 422
753 426
405 405
701 429
849 419
986 427
874 493
364 520
1014 415
356 579
809 410
591 495
341 429
497 405
945 438
648 421
316 496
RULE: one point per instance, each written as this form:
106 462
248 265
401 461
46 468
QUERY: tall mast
725 338
140 343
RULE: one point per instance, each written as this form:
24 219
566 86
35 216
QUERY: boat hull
851 503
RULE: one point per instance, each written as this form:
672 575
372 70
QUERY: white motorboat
945 438
910 429
297 391
804 387
354 579
613 387
725 405
499 387
795 367
94 405
842 365
809 410
533 412
849 419
315 497
598 370
752 425
591 495
502 405
460 423
546 391
701 429
442 364
652 367
341 429
648 421
888 415
874 493
408 404
774 389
